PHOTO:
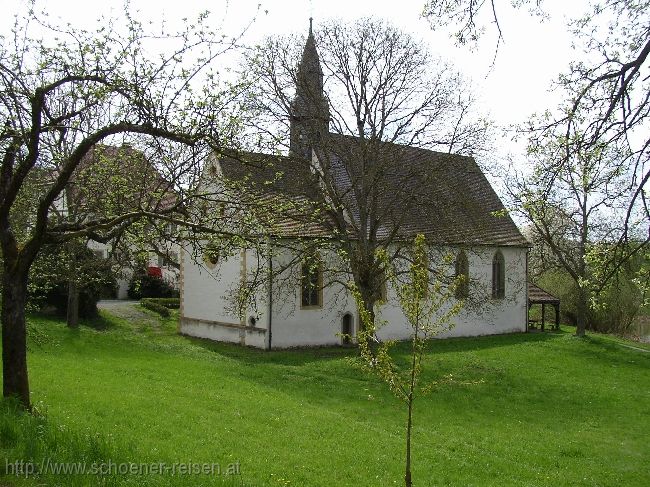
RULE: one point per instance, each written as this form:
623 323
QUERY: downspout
270 300
526 284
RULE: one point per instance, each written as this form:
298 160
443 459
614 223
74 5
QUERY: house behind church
118 180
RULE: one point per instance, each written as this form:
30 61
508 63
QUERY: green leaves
428 305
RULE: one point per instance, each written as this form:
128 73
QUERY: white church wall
482 315
207 292
294 325
208 308
207 295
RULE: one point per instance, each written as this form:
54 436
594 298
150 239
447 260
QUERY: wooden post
543 312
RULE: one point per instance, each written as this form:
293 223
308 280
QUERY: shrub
154 306
144 285
88 297
617 306
48 284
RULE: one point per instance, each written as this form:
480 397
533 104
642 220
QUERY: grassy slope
521 410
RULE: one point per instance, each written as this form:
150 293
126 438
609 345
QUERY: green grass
535 409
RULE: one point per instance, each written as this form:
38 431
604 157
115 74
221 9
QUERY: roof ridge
407 147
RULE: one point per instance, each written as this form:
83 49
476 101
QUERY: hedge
171 303
153 306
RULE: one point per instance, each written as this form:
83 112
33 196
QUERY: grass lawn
527 409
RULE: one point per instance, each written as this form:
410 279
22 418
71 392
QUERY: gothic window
311 283
498 276
462 276
346 329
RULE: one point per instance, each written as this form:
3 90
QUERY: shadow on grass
99 322
287 357
303 355
508 393
600 349
468 344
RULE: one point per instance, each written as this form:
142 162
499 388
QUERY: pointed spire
309 110
309 69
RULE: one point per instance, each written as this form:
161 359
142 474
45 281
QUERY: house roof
444 196
269 174
123 174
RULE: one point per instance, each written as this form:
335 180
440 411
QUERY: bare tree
471 18
63 91
607 95
366 103
381 85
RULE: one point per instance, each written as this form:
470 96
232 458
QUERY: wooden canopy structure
536 295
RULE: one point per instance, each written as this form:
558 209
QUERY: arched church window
498 276
311 283
462 276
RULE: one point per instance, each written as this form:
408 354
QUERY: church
446 197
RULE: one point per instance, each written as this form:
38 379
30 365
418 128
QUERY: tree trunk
581 312
72 312
369 303
14 336
72 308
407 475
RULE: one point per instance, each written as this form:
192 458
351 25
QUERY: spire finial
310 22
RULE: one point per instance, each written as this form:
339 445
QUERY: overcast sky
535 51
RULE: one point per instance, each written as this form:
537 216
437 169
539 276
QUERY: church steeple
310 113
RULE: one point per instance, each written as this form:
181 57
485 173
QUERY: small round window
211 256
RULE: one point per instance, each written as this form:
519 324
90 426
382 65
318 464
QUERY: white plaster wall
205 295
293 326
207 292
210 331
482 315
125 277
123 284
207 301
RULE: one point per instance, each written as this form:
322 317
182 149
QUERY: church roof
444 196
310 101
310 61
268 182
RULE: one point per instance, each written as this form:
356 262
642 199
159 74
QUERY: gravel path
129 311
